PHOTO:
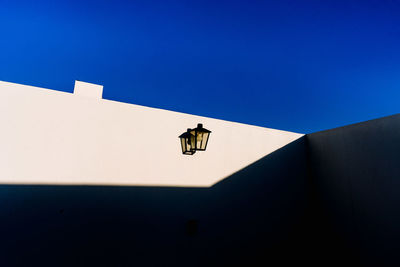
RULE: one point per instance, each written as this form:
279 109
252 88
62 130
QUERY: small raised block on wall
88 90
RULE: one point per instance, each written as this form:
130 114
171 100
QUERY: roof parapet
88 90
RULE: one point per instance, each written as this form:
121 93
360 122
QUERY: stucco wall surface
53 137
356 175
255 217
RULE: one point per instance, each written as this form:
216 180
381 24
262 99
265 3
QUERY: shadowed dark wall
329 199
356 174
256 216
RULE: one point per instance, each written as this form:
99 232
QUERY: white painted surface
88 90
53 137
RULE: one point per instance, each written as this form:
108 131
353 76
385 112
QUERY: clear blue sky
298 65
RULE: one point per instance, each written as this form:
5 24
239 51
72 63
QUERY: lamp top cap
201 129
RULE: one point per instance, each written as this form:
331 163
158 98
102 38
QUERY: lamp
187 142
194 140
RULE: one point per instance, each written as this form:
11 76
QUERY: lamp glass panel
192 141
189 145
199 139
204 140
183 144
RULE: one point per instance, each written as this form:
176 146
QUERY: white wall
53 137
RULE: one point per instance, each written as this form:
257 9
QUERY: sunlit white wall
53 137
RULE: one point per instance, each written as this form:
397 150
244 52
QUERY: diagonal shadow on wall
256 216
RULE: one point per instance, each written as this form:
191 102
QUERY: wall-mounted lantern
187 142
194 140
